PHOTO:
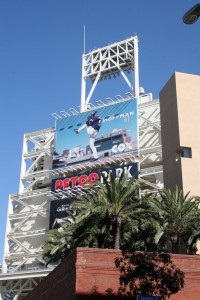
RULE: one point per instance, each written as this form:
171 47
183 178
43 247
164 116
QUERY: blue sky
41 45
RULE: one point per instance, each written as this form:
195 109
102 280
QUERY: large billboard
90 177
59 208
93 135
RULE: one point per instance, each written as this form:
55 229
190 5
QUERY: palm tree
115 201
60 242
93 231
57 245
179 215
108 215
77 229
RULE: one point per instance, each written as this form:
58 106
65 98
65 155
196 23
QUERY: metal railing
25 269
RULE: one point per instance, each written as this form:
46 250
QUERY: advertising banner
93 135
90 177
58 212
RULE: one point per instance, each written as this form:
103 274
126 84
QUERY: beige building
180 121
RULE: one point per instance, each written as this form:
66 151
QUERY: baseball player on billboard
92 126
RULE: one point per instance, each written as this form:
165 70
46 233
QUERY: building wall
87 272
60 283
179 112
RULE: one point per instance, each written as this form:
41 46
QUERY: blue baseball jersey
95 122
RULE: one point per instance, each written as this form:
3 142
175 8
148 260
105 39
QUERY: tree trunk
116 231
101 241
175 244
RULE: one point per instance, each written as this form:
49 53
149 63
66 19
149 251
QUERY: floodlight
192 15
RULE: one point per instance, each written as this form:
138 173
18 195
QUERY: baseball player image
92 126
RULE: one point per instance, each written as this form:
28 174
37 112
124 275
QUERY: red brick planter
91 273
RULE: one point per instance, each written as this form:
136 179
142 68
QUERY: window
185 152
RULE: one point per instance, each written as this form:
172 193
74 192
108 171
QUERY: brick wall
87 272
59 284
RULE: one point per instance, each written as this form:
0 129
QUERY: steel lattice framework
107 62
28 210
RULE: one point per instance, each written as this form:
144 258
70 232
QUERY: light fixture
192 15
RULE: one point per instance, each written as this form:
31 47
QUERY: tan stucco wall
170 135
180 121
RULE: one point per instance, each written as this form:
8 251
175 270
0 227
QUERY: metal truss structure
106 62
29 210
17 285
151 170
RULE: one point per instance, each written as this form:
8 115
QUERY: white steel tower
108 61
29 209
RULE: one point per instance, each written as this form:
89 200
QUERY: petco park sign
79 181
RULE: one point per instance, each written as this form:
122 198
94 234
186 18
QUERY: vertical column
8 227
136 67
83 86
136 95
23 165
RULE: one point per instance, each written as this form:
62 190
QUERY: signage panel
90 177
58 212
143 297
58 208
89 136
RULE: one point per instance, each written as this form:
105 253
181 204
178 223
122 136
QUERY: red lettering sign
66 184
82 180
92 178
58 185
73 182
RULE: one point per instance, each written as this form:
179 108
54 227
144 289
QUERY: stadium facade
52 173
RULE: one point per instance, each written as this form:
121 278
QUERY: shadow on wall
102 297
109 295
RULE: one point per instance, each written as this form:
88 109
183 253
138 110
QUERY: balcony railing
27 269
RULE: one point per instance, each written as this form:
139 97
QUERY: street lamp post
192 15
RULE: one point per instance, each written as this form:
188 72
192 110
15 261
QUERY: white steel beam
107 62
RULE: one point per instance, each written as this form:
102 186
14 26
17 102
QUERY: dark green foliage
112 215
111 206
57 246
179 216
145 273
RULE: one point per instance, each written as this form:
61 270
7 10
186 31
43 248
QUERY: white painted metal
17 286
136 68
150 142
106 62
23 164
